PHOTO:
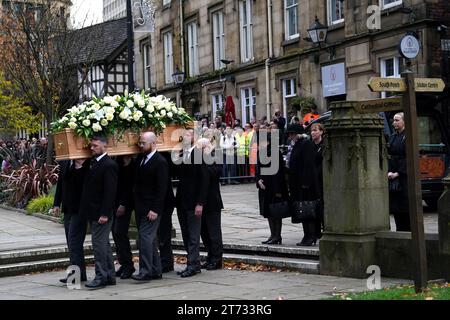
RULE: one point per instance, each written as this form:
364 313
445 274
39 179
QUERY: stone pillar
444 219
355 191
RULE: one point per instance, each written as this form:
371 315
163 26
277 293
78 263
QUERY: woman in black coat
67 198
398 199
303 178
272 188
317 131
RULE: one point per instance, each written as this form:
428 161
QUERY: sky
86 12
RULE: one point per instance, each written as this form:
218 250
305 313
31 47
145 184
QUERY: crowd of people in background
15 152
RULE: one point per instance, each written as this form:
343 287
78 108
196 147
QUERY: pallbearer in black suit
67 197
97 204
211 230
190 200
122 216
150 189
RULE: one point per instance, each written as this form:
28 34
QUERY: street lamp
318 32
178 79
318 35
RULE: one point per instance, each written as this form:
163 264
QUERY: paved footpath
241 223
208 285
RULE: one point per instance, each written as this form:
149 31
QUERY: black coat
70 186
398 201
214 198
169 202
150 185
194 183
318 160
99 189
275 185
302 174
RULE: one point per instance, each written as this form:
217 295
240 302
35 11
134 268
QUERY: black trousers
190 230
211 233
75 227
149 259
104 263
402 221
120 235
165 240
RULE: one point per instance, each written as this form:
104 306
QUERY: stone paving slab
208 285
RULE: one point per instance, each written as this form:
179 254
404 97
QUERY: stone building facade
269 58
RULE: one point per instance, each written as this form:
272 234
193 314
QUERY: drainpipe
270 49
182 36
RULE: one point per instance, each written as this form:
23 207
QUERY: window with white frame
386 4
168 57
246 32
192 49
390 68
335 11
291 19
219 40
147 66
248 104
217 104
289 91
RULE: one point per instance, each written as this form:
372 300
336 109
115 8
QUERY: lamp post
130 44
178 79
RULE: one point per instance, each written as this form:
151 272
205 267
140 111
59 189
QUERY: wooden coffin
69 146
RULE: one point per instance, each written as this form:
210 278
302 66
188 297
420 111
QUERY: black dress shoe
141 278
274 241
307 242
190 273
157 277
167 269
96 284
180 272
64 280
111 282
214 266
267 241
127 273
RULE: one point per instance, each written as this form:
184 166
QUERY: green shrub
40 204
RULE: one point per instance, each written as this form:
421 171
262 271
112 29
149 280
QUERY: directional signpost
380 105
409 48
377 84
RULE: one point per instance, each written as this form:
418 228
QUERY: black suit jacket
150 185
194 182
99 189
70 186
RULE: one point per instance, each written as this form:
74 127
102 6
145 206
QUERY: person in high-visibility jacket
248 139
240 151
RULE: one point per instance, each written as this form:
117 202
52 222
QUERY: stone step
300 265
45 253
263 250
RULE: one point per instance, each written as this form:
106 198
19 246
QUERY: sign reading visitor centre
333 80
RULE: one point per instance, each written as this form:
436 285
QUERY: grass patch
405 292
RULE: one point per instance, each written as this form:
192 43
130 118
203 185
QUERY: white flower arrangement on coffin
114 115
